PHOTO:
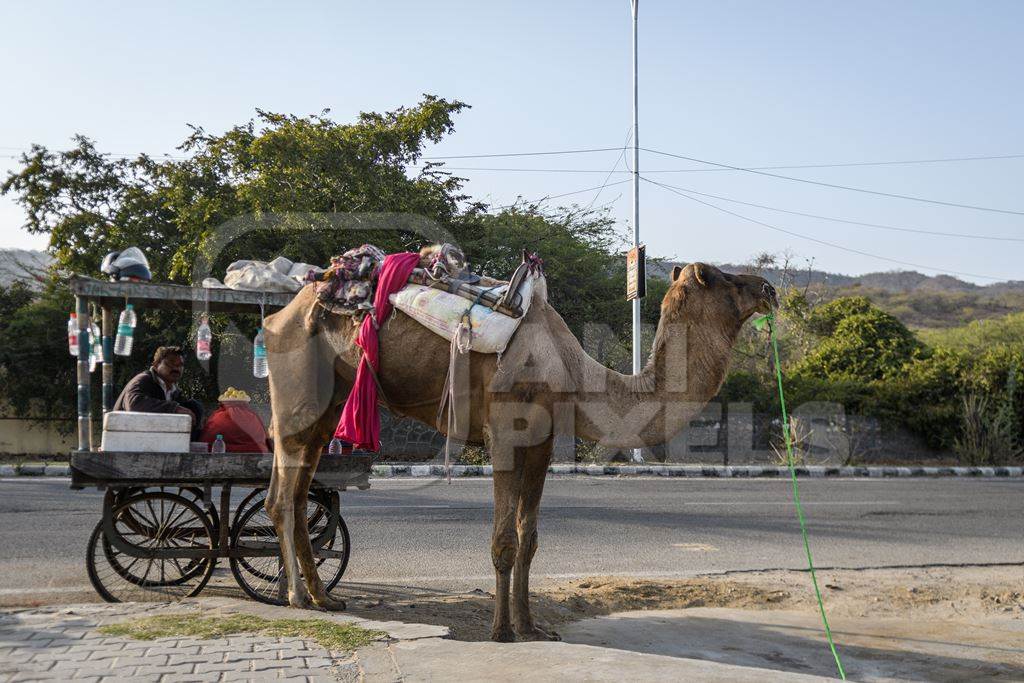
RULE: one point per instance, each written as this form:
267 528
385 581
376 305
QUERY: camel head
701 292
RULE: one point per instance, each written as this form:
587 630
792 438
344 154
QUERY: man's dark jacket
143 394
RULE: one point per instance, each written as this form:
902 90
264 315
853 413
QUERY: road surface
432 535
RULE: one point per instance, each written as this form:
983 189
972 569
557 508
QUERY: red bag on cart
241 427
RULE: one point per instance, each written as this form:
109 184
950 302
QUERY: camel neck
686 368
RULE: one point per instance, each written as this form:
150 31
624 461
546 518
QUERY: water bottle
259 356
218 445
95 346
73 335
336 447
203 339
125 332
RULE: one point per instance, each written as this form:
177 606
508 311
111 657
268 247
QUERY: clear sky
742 83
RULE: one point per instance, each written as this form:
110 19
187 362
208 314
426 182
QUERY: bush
988 436
924 397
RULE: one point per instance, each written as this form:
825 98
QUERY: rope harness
760 324
462 342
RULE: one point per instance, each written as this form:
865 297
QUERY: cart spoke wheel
151 520
262 577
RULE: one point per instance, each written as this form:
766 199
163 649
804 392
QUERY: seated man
156 390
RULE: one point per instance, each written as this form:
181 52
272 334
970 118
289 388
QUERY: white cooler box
146 432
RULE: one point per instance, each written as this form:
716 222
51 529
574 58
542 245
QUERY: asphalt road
432 535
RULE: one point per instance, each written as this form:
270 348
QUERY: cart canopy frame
111 296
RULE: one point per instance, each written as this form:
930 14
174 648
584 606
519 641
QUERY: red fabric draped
360 420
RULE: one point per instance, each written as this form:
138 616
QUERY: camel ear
675 273
700 274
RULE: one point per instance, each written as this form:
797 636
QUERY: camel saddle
492 309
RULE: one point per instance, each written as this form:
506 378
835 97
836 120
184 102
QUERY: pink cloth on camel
360 419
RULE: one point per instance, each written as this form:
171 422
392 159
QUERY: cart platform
103 468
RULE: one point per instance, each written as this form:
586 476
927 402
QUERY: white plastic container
146 432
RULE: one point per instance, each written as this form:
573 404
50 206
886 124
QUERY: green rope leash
760 324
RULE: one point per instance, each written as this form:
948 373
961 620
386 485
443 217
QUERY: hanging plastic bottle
125 331
73 334
336 447
95 346
259 356
204 339
218 445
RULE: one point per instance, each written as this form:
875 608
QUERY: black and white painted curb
719 471
693 471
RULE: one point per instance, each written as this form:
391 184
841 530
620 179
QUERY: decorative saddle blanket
441 293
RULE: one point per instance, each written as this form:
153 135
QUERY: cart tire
261 577
111 571
197 498
254 497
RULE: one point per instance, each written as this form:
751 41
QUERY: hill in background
920 301
23 264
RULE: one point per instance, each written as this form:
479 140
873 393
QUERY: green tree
36 372
858 341
90 203
326 178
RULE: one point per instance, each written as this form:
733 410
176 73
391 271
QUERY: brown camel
544 387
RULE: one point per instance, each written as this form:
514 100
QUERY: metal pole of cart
84 403
108 359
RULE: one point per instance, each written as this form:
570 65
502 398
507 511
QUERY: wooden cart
161 533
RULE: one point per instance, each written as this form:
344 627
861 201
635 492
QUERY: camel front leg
503 551
280 505
535 471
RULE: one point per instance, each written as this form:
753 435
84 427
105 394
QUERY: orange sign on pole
636 273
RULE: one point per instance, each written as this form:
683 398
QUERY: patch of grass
328 634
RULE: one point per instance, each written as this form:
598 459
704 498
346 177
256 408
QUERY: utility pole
637 455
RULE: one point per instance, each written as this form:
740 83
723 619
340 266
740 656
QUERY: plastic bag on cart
279 275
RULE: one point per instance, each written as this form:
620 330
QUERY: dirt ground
938 593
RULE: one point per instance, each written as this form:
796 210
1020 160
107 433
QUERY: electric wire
522 154
852 164
880 226
820 241
618 160
835 186
564 194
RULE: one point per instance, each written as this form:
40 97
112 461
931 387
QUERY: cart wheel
254 497
196 496
263 577
151 520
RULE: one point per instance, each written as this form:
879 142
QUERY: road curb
705 471
690 471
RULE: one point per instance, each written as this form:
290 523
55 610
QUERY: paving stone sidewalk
63 643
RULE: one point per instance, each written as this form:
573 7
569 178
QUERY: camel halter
769 322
